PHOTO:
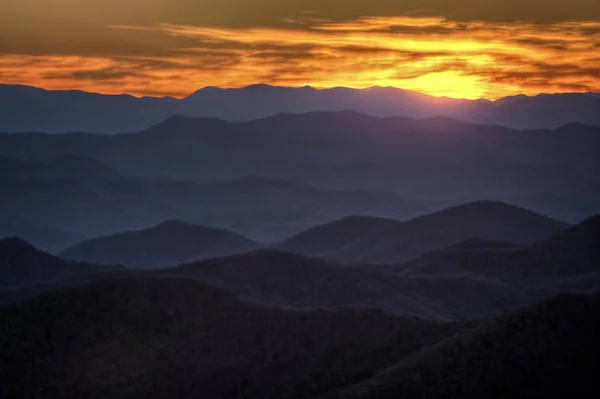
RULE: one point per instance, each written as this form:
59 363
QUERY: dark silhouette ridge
22 264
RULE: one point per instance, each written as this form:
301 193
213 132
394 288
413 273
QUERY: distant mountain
85 198
439 159
354 240
24 108
171 338
269 209
22 264
43 237
65 167
168 244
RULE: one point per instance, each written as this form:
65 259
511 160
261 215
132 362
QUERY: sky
456 48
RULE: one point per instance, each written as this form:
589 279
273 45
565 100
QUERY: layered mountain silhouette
170 338
352 239
438 160
85 198
24 108
386 241
168 244
270 242
21 264
474 279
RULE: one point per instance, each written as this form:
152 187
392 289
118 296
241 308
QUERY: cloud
432 54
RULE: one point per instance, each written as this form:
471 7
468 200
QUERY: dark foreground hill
372 240
290 280
548 350
169 244
170 338
22 264
293 281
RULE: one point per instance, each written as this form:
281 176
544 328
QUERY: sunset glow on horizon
440 55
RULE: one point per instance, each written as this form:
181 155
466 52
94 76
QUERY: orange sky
450 48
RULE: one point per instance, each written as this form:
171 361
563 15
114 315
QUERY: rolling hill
474 279
21 264
331 237
368 240
167 244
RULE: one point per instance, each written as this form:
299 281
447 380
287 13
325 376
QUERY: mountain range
439 160
473 279
85 198
271 242
352 239
25 108
169 244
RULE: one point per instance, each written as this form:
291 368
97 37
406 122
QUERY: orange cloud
433 55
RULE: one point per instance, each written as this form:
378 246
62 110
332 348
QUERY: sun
447 84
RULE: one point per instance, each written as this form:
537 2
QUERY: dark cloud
550 44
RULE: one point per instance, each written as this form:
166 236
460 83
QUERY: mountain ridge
102 113
169 243
21 264
395 241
